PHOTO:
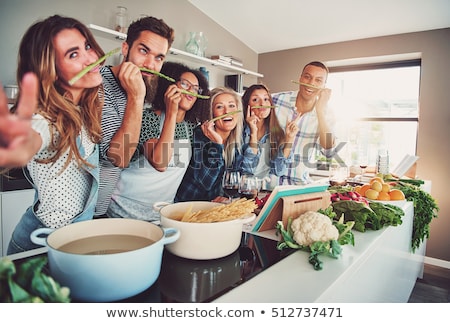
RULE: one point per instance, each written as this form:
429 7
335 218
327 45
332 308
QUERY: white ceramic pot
201 241
99 275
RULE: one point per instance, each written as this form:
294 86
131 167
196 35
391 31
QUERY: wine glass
363 163
230 184
248 186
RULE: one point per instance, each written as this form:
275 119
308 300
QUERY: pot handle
170 235
42 241
157 206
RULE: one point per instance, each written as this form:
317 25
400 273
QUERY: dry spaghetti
226 212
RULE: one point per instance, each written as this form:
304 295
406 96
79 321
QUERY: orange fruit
363 189
376 186
372 194
383 196
396 195
385 187
357 189
376 179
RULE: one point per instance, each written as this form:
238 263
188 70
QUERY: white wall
16 16
434 115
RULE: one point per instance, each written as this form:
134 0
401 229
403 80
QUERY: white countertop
379 268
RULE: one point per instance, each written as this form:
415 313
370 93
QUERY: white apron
141 185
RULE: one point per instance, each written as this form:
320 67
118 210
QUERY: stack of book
227 60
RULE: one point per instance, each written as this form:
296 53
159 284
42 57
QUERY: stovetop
184 280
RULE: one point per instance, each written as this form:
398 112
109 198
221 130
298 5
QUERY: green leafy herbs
26 283
425 210
92 66
374 215
331 248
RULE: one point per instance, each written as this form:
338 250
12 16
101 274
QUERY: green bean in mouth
263 107
86 70
225 115
146 70
307 85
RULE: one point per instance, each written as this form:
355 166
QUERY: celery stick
263 107
195 94
224 115
307 85
90 67
146 70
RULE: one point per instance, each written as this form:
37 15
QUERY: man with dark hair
126 90
315 120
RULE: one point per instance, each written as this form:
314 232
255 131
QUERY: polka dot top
62 196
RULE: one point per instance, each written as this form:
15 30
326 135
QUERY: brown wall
279 68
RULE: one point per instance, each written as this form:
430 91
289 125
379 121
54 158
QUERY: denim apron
20 240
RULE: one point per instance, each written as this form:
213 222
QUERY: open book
402 168
280 192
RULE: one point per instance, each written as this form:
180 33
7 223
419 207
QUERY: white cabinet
13 205
179 54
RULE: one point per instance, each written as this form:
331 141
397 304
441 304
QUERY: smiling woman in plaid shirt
216 147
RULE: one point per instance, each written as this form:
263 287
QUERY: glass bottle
383 162
121 19
205 72
191 45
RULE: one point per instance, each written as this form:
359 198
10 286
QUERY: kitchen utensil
122 258
201 240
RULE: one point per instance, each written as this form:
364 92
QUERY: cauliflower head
312 226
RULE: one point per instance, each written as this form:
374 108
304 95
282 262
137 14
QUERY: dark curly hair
200 109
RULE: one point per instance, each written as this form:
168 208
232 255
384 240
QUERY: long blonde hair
234 142
37 55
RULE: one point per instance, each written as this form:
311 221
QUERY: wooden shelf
106 32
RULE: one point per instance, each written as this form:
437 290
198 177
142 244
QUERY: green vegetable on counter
425 209
331 247
26 283
374 215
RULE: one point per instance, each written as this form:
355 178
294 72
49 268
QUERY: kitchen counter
379 268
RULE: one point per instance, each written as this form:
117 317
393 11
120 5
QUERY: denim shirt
278 165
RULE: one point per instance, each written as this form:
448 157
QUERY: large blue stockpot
104 277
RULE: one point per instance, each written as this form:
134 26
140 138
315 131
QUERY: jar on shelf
197 43
121 19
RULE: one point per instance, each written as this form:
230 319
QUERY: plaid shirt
306 143
203 178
